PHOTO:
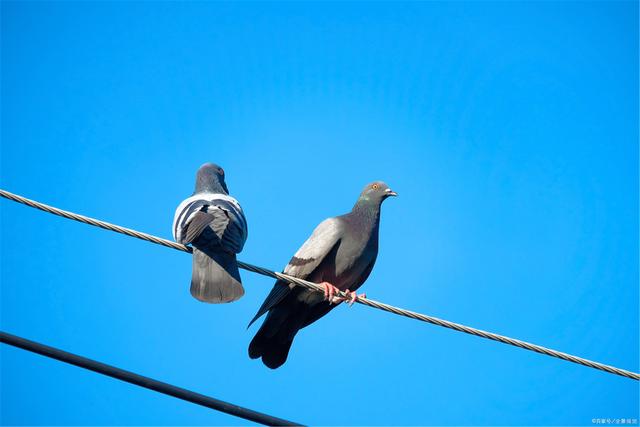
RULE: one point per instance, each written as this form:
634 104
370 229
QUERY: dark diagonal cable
146 382
316 287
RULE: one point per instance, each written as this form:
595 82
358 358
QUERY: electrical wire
314 286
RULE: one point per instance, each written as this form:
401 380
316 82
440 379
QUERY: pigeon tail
273 350
276 354
273 340
215 276
261 339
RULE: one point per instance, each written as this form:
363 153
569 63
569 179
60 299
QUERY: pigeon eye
221 171
375 186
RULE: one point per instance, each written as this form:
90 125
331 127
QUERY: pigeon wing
229 225
225 219
198 222
324 238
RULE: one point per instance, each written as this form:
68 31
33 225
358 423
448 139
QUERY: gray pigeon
339 254
214 224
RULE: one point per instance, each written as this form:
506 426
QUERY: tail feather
262 338
257 346
215 277
276 354
272 343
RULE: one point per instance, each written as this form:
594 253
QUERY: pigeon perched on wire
214 224
339 255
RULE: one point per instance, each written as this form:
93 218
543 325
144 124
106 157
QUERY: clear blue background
509 130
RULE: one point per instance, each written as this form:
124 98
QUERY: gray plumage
341 251
214 224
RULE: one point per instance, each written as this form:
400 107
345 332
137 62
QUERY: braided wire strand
314 286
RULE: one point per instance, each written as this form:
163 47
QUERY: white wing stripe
184 210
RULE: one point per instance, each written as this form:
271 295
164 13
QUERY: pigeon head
375 193
210 179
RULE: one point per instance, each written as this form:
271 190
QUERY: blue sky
510 131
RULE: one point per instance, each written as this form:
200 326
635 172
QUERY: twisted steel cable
316 287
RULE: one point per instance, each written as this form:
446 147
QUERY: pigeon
214 224
339 255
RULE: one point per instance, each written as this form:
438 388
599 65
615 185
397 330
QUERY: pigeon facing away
340 254
214 224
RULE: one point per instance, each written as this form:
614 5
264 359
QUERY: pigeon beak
390 192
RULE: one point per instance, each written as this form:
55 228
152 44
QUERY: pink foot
353 297
330 293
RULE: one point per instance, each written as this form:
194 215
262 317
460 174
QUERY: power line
316 287
146 382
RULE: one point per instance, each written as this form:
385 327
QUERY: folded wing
324 238
222 214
